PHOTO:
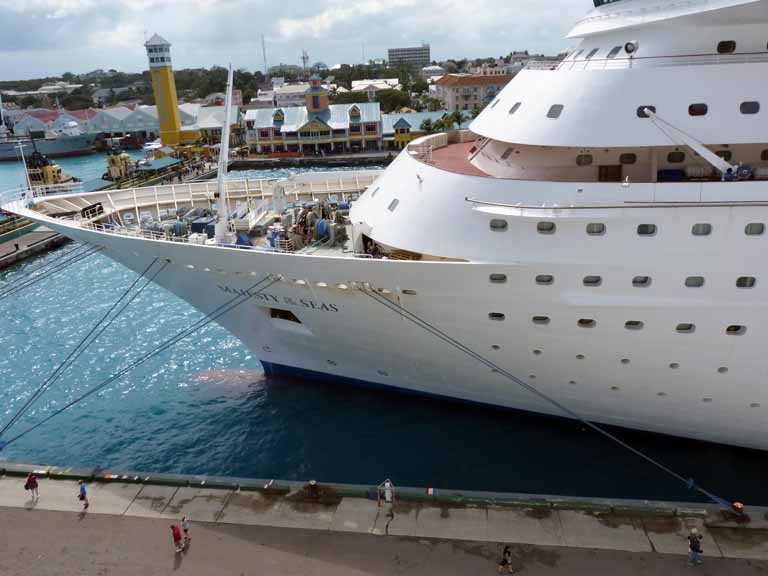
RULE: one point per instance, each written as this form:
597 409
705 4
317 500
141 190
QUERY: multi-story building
371 87
315 128
467 91
412 57
290 95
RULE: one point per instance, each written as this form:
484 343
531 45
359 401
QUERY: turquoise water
204 407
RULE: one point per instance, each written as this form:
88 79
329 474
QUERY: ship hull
59 147
345 335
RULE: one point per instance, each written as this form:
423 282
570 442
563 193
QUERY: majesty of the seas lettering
281 300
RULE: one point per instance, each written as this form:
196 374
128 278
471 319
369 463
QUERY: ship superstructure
597 233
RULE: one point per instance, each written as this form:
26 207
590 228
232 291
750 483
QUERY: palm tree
459 118
427 126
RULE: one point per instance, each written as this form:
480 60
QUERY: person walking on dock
31 485
83 495
505 564
176 533
694 547
185 529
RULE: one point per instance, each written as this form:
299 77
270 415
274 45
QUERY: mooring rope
413 318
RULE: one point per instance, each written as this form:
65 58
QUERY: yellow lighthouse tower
164 86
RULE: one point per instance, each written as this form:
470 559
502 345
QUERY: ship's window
546 227
726 46
722 370
745 282
592 281
627 158
676 157
515 107
393 205
498 224
641 281
506 153
702 229
496 316
625 361
674 365
595 228
633 325
735 330
498 278
754 229
540 319
584 159
615 50
580 356
374 191
641 111
749 107
591 53
577 54
764 155
646 229
545 279
283 315
494 104
694 281
725 155
698 109
555 110
686 328
586 323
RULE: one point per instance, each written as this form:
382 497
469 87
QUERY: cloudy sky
49 37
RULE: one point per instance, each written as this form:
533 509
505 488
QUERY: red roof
44 115
83 115
472 80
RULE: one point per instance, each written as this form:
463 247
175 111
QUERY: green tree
427 126
434 104
419 86
349 98
458 117
392 100
475 112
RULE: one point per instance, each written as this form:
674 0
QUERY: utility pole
304 61
264 55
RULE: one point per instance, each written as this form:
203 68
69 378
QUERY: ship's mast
222 222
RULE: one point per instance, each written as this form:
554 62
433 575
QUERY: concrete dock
250 531
18 248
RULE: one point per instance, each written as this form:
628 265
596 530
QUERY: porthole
540 319
545 279
745 282
592 281
615 388
706 399
701 229
506 154
755 405
641 111
537 352
676 157
662 394
332 362
754 229
546 227
614 51
694 281
586 323
494 104
641 281
497 278
382 373
496 347
698 109
532 376
409 292
595 228
498 316
591 53
750 107
393 205
580 356
674 365
555 110
625 360
686 328
722 369
571 381
499 225
646 229
736 330
725 155
515 108
726 46
634 325
627 158
584 160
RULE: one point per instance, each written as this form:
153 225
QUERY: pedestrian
176 537
185 528
505 564
31 485
694 547
83 495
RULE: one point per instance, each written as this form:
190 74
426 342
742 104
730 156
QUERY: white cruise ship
597 236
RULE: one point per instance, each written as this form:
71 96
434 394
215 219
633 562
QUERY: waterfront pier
241 527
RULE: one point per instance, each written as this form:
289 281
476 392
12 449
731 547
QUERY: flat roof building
411 57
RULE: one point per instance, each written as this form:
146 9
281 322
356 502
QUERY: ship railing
651 61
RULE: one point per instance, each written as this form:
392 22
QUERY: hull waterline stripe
413 318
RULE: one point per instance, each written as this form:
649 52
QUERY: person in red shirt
176 537
31 485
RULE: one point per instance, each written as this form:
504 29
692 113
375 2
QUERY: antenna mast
264 54
222 235
304 61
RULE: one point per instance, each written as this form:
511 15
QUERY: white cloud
337 13
49 8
